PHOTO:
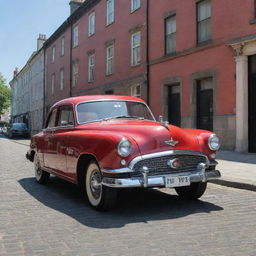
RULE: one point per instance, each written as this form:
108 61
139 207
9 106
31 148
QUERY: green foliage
5 95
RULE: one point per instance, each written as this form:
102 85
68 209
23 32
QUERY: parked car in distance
108 142
18 129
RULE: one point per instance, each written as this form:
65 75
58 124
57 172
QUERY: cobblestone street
55 220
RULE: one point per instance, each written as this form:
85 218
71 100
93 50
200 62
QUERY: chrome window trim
110 100
166 153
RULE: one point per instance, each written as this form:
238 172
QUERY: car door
49 150
60 137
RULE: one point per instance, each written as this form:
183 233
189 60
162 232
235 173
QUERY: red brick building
203 67
100 48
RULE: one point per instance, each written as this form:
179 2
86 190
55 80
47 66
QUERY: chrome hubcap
95 184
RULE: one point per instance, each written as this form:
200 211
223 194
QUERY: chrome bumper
198 175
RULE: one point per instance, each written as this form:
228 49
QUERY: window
135 91
74 74
110 60
136 38
91 64
53 83
52 119
170 35
53 54
66 116
61 79
203 21
135 4
110 11
91 30
75 37
62 46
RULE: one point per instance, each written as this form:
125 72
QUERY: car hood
150 136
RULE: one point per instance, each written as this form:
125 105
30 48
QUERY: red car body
158 150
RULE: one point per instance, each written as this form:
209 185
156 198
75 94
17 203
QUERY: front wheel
194 191
41 176
100 197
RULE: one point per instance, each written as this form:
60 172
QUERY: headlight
124 147
214 142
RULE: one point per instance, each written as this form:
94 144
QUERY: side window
52 119
66 116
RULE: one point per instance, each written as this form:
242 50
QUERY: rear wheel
194 191
41 176
100 197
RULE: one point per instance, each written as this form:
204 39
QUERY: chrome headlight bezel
214 142
124 147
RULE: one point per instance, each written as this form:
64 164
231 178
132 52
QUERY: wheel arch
82 164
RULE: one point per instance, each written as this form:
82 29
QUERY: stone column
241 103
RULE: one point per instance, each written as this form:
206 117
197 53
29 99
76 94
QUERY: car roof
87 98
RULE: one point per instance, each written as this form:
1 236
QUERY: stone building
100 49
28 90
203 67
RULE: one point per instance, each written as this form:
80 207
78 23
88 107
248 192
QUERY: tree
5 95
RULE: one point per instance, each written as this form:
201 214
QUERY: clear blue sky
21 21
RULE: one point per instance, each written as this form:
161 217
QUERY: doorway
174 113
251 103
205 104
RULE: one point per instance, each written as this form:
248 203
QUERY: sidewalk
237 170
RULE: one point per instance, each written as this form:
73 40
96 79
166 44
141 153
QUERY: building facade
202 67
28 91
100 49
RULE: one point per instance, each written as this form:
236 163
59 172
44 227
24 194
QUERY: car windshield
19 126
104 110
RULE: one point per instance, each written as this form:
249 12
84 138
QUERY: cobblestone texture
55 220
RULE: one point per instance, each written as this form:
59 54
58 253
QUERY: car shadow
133 206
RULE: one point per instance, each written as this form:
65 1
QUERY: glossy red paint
59 148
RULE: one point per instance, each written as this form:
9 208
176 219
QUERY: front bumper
200 174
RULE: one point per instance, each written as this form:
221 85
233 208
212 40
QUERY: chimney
40 41
74 5
15 72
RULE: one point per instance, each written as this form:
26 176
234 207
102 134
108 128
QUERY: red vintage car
105 142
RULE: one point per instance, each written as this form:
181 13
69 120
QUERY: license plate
171 182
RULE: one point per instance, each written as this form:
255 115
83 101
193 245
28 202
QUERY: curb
234 184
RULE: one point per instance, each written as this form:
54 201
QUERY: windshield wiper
117 117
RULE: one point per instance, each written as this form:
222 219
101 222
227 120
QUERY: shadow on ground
133 205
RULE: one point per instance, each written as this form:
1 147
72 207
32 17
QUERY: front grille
158 165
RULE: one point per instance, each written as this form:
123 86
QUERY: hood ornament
164 123
171 142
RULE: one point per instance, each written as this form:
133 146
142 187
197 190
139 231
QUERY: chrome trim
116 171
166 153
159 180
154 120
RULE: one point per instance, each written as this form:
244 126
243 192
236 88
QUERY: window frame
62 46
110 12
110 60
201 21
170 35
75 37
63 107
134 88
91 68
133 9
62 80
53 53
75 73
49 117
91 24
138 62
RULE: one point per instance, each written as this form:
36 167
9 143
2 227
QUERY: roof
87 98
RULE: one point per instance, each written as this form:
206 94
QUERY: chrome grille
158 165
